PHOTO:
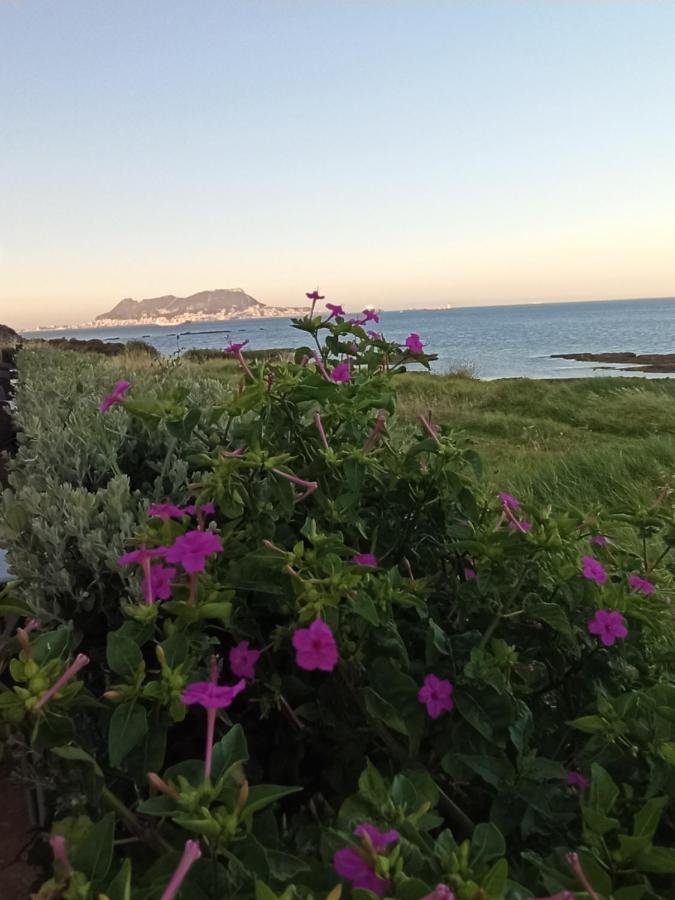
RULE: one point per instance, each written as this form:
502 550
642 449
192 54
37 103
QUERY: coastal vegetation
310 626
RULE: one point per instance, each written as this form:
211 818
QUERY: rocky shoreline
626 362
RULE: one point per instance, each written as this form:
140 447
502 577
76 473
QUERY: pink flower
365 559
379 839
79 663
315 647
370 316
191 854
206 509
210 695
159 587
414 344
335 309
520 525
593 570
315 295
576 779
436 693
58 845
243 660
600 540
166 511
341 373
508 501
141 556
641 584
608 625
374 335
440 892
350 864
117 396
469 573
234 348
192 548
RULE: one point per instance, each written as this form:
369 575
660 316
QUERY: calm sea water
493 342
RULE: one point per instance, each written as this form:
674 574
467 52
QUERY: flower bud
243 796
162 786
24 642
112 695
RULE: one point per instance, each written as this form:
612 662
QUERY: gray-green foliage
75 488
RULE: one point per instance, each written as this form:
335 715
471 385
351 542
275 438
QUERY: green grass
591 442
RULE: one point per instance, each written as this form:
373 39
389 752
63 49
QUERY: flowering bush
328 661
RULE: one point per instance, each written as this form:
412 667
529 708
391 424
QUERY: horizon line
446 308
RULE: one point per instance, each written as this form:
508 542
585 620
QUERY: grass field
587 441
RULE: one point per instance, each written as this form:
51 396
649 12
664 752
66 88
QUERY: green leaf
192 770
230 751
363 606
660 860
123 655
79 755
589 724
120 887
604 792
262 892
283 866
444 848
221 609
647 819
634 892
412 889
495 770
175 649
51 645
262 795
597 822
403 793
538 768
14 609
487 843
128 726
494 883
372 787
157 806
666 751
630 847
382 711
597 875
93 853
486 710
552 614
400 691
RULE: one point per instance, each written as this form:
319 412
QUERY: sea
487 341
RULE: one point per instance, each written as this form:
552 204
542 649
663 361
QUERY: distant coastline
269 312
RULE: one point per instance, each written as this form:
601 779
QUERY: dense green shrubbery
425 662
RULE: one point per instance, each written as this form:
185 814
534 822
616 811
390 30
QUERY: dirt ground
17 877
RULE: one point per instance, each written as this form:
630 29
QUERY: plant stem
210 733
155 840
492 627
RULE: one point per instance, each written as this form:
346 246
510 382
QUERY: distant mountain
205 304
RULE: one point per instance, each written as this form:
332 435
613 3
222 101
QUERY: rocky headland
204 306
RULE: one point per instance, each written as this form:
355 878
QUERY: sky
399 153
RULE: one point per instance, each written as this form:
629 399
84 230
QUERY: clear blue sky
395 152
